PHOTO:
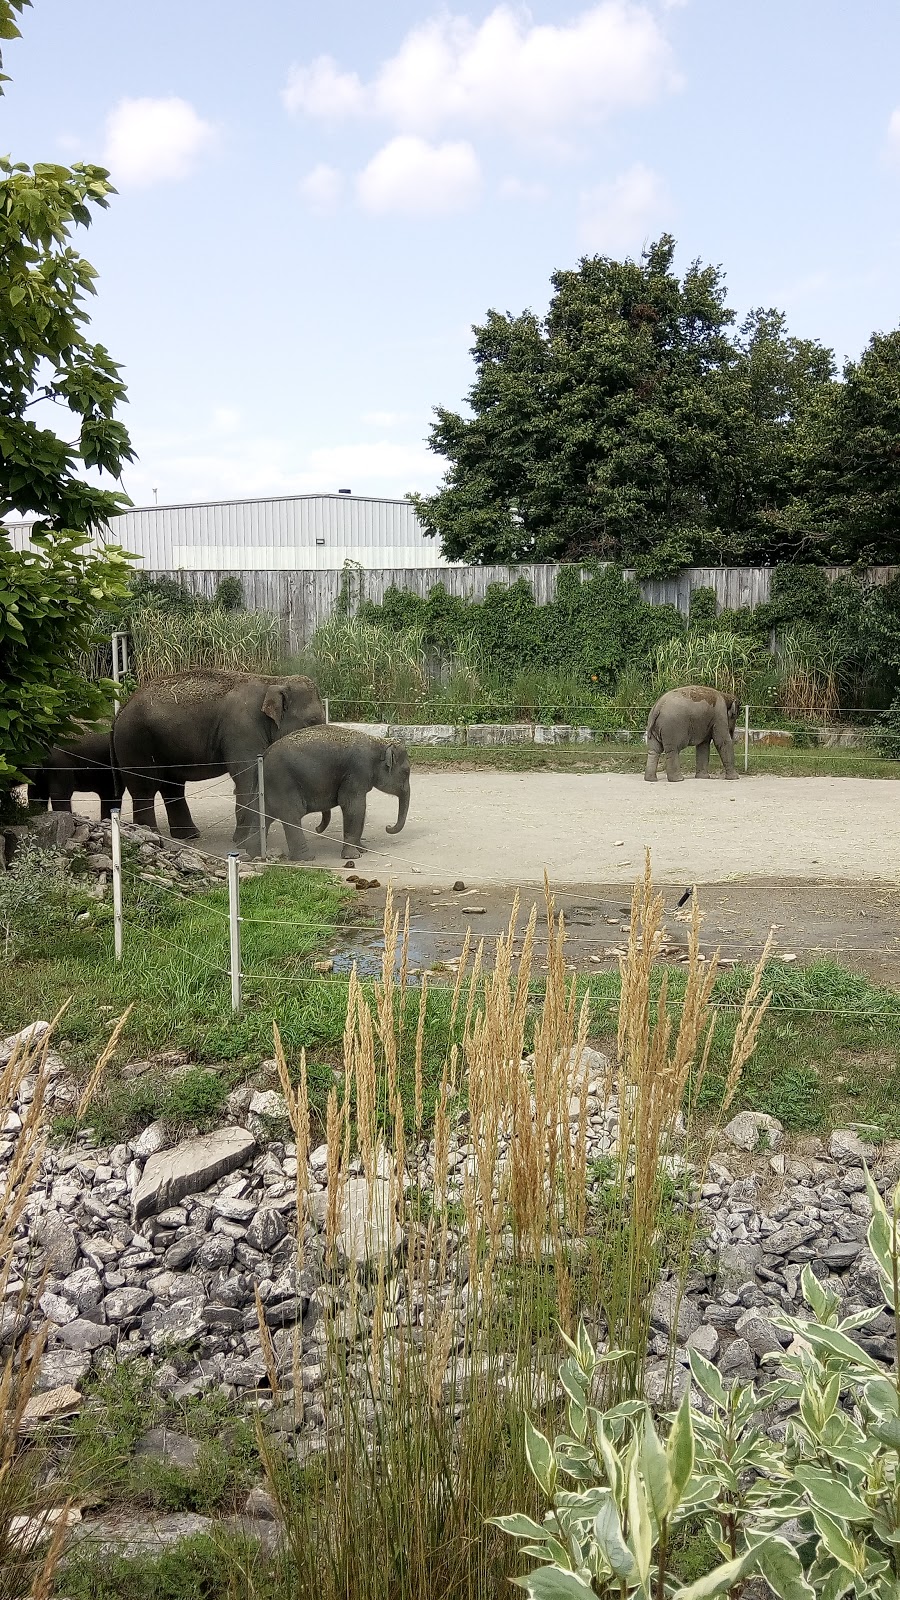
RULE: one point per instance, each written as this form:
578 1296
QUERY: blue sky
317 202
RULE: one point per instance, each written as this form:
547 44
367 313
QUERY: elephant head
392 777
291 703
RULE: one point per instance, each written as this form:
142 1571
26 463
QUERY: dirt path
507 828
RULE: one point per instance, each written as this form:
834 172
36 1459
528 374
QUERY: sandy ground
507 828
817 858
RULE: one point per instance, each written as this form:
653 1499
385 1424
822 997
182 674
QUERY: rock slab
192 1166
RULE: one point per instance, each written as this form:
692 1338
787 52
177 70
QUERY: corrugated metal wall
318 532
305 599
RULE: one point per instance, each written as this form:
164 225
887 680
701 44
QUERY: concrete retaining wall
500 733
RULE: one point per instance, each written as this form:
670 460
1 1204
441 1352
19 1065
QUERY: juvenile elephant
83 766
332 766
694 715
198 725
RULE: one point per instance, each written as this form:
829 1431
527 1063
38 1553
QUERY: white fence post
119 662
746 737
261 798
116 841
234 920
327 709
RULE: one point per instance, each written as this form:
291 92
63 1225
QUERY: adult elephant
199 725
694 715
325 767
83 765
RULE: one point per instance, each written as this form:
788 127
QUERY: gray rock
55 1237
751 1129
268 1112
100 862
61 1369
122 1304
663 1311
149 1143
84 1288
788 1239
194 1165
25 1036
183 1251
54 829
57 1308
736 1261
738 1361
175 1449
235 1208
216 1252
657 1391
132 1534
83 1335
840 1255
180 1323
849 1149
259 1503
367 1230
266 1230
762 1338
705 1340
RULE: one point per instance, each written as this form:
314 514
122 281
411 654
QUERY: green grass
224 1567
613 757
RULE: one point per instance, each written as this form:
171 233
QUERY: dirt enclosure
818 858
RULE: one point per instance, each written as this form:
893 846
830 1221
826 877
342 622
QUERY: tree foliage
635 422
52 595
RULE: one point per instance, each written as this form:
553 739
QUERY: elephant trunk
402 809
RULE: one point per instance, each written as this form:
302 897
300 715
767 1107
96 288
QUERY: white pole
327 712
234 919
261 798
115 670
117 883
746 737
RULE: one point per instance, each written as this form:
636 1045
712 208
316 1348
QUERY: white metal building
289 533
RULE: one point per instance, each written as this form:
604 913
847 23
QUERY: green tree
52 595
848 507
630 424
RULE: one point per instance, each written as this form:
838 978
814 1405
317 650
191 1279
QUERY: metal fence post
327 711
234 920
261 798
116 841
746 737
119 662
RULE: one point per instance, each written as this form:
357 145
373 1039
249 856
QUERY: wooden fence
303 600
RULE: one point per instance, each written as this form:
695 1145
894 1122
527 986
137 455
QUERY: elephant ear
389 756
273 703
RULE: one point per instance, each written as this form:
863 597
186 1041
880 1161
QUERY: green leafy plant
818 1514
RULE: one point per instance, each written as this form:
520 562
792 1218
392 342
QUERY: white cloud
617 216
519 189
226 419
382 419
149 141
409 175
322 187
893 135
323 90
189 470
508 72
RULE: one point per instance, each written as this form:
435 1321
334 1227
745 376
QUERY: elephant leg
673 766
181 823
725 746
326 818
143 801
295 837
703 759
353 810
246 804
654 751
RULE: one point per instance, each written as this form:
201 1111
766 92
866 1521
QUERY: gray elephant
693 715
333 766
199 725
83 765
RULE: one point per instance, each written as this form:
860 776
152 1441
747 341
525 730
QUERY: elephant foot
649 777
185 833
351 851
732 777
678 779
702 774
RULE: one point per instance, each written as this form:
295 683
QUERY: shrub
817 1514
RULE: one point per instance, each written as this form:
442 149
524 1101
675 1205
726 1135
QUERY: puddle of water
368 953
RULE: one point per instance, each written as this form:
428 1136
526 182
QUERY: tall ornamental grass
432 1356
719 657
166 641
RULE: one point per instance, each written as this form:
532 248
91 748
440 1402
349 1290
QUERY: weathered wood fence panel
304 600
